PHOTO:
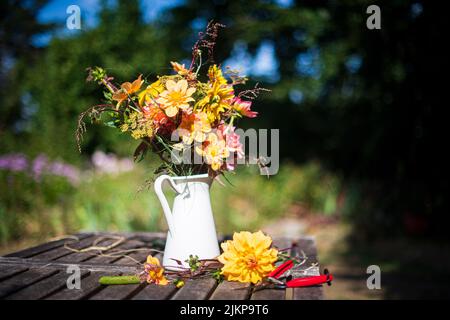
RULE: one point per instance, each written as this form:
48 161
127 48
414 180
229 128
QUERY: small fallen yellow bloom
155 272
179 283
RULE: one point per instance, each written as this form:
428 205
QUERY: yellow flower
248 257
150 92
215 75
179 284
177 96
218 97
127 89
214 150
154 272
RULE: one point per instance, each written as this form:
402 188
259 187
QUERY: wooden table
41 272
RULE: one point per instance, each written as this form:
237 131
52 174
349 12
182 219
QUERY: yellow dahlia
248 257
176 96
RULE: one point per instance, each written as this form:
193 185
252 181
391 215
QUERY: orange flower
154 272
163 124
179 68
126 89
182 71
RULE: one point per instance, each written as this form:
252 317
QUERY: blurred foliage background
360 113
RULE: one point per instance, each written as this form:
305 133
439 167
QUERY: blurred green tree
121 43
18 27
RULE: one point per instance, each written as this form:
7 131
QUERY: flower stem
108 86
200 63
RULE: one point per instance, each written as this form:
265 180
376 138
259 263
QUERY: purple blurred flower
65 170
39 167
13 162
110 163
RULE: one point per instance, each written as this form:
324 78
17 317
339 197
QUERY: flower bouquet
188 119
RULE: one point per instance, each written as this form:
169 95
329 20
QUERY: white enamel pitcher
191 223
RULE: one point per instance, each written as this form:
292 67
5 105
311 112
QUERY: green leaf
194 264
107 95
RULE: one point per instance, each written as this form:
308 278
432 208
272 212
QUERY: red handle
309 281
281 269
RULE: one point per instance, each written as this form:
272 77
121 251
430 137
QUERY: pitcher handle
162 198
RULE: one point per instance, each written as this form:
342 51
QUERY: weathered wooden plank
6 262
44 287
89 286
26 253
76 257
62 251
309 293
269 294
133 241
105 259
231 290
198 289
23 280
147 236
155 292
11 271
307 244
118 292
154 241
273 294
140 256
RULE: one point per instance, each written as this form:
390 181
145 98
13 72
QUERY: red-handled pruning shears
311 281
276 274
281 269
